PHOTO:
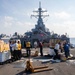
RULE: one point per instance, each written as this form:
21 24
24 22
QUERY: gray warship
40 32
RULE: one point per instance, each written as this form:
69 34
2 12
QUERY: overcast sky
15 16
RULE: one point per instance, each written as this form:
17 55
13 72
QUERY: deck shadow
42 57
29 73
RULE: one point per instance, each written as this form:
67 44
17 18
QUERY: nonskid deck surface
61 68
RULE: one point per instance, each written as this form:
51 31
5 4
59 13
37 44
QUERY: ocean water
72 41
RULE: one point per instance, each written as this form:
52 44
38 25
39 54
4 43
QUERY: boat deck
61 68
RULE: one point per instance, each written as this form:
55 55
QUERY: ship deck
61 68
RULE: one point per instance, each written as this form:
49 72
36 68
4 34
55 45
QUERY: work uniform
16 51
28 45
19 50
12 46
11 50
57 49
35 44
66 50
41 48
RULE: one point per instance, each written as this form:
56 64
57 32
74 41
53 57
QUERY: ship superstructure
40 32
40 27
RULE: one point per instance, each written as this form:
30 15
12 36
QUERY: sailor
57 50
35 44
12 47
66 49
19 50
28 45
10 43
41 48
16 50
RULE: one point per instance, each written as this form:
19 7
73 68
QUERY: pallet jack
32 69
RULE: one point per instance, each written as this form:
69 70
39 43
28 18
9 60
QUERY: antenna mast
40 12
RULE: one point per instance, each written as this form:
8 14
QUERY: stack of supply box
4 51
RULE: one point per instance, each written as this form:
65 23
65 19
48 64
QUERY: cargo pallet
32 69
